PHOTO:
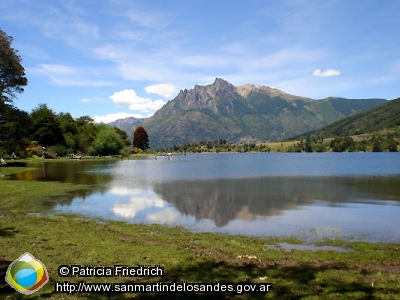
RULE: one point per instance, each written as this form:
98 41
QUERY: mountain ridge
222 111
386 116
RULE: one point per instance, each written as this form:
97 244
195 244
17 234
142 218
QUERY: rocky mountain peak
249 89
201 95
221 83
219 86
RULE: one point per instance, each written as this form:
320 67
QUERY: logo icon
27 274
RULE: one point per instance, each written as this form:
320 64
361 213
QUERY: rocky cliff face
223 111
206 96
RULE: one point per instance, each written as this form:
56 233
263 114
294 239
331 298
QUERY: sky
119 58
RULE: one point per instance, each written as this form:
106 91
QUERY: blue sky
118 58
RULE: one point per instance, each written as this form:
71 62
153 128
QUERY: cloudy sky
118 58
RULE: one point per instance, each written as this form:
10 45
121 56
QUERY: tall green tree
46 128
141 139
87 133
14 127
12 73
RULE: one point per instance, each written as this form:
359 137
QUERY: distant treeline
218 146
379 142
385 141
42 130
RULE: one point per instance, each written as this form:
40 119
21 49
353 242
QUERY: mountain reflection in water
339 195
328 207
248 199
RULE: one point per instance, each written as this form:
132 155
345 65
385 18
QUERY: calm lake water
316 195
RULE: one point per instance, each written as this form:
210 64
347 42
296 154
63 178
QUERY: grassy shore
368 271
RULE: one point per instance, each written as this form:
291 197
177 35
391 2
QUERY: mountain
128 124
223 111
386 116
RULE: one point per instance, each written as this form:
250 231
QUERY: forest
45 133
42 131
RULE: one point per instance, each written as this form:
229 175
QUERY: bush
137 150
58 150
125 151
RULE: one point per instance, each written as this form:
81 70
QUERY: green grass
370 271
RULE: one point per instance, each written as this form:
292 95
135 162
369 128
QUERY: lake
310 195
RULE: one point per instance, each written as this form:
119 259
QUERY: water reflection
78 172
240 195
248 199
144 205
321 207
91 173
139 201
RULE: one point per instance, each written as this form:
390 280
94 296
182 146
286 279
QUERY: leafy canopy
107 142
12 73
46 127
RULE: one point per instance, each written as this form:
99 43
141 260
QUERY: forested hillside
386 116
377 129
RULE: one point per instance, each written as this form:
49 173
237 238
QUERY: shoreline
72 239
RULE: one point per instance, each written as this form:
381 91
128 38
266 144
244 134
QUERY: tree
12 73
107 142
141 139
87 133
123 135
46 127
14 126
341 144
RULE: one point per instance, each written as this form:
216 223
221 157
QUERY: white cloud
113 117
326 73
166 90
165 216
124 191
64 75
56 24
55 69
92 100
129 97
137 204
150 106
